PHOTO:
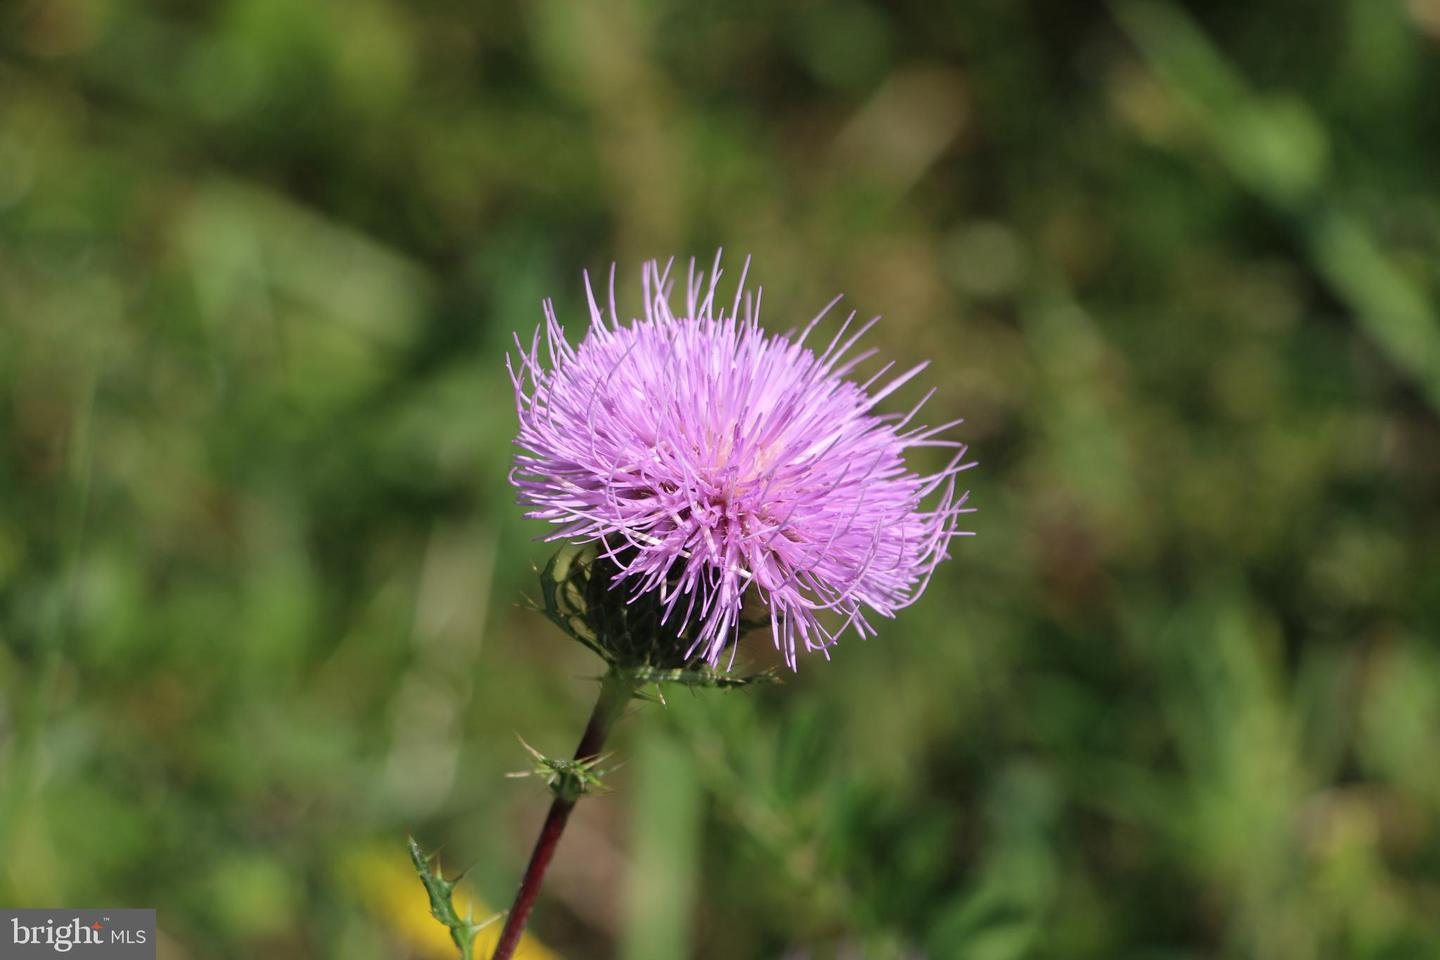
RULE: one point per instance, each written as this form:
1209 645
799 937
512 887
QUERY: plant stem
615 693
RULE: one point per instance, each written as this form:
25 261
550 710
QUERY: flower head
713 462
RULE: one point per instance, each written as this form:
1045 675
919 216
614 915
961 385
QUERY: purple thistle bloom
710 458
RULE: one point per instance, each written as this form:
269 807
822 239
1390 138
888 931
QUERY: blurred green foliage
259 566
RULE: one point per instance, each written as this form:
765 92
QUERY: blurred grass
260 261
665 867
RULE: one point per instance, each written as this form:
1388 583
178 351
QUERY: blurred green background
260 568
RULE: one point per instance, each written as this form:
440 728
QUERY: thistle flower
713 462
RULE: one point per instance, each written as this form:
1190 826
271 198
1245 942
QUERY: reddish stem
615 693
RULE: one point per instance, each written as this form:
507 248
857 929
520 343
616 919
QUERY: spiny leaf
442 906
567 779
698 677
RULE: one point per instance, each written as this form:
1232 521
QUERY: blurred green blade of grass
22 758
661 882
1277 148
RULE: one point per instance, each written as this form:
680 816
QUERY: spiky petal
713 460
